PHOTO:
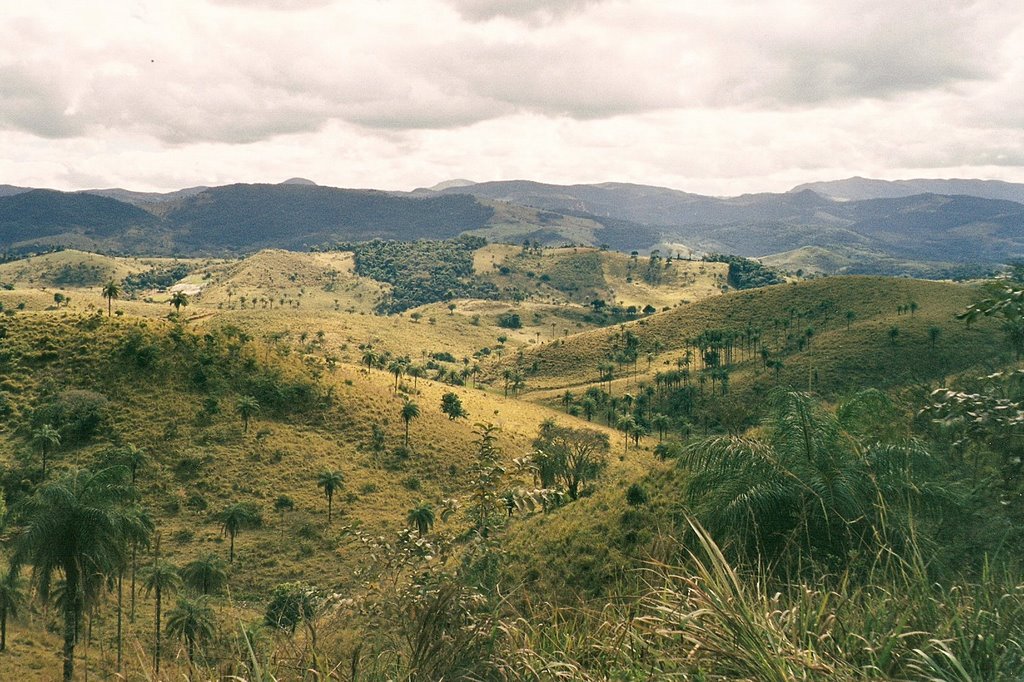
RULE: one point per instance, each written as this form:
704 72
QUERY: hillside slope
849 320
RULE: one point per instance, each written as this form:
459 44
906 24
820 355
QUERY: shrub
510 321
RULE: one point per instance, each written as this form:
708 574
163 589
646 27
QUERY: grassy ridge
843 357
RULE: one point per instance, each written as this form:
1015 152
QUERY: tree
138 529
830 482
206 575
161 577
410 411
661 422
485 475
933 335
191 620
179 299
1006 302
76 526
331 482
370 357
44 438
247 407
239 516
421 517
397 369
110 291
12 596
627 424
452 406
135 459
569 456
589 407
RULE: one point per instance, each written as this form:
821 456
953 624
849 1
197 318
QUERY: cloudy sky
715 97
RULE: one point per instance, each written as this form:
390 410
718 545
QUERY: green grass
580 598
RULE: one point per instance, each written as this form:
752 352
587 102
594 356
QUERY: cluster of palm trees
112 290
399 366
79 536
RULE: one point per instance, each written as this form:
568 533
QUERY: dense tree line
155 278
421 272
745 273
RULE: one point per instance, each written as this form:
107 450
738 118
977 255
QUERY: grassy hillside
844 350
549 583
172 392
580 275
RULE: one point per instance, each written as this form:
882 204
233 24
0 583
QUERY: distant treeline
745 273
421 272
156 278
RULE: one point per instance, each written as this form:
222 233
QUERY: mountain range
852 225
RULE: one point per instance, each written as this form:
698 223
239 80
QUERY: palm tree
811 477
75 527
110 291
589 407
661 422
137 528
421 517
331 482
206 574
410 411
627 424
12 596
370 357
397 368
247 407
237 517
179 299
192 621
44 438
567 399
161 577
135 459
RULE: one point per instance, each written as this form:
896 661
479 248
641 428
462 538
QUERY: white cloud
740 94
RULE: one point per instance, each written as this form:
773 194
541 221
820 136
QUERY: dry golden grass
841 357
276 457
283 456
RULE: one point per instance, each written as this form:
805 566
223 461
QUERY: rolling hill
917 233
298 332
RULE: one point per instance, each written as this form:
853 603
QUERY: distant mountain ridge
926 227
856 188
880 232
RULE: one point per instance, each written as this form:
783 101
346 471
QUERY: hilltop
924 228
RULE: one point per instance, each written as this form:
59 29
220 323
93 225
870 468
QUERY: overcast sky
712 97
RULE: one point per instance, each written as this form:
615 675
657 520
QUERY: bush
78 414
510 321
636 495
290 604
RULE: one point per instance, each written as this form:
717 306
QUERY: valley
247 381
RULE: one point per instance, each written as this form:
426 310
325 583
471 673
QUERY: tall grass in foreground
702 620
705 620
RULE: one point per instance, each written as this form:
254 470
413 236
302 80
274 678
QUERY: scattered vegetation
765 485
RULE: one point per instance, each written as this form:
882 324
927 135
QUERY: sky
719 97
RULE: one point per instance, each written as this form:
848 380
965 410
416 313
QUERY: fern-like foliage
809 478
